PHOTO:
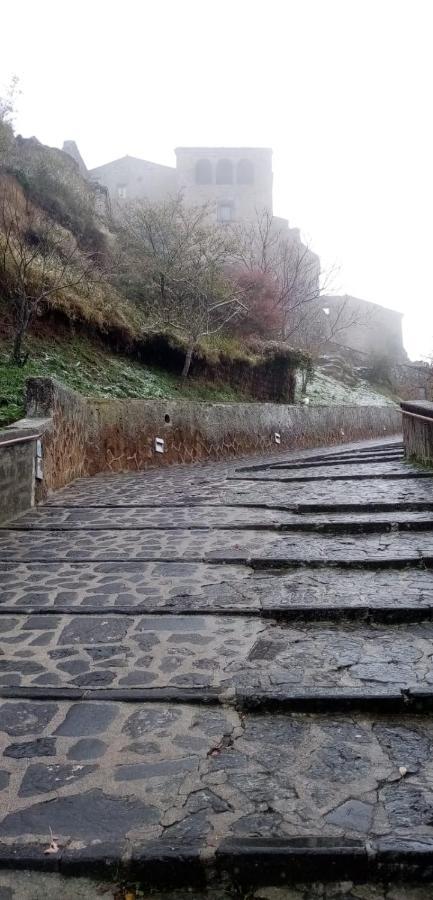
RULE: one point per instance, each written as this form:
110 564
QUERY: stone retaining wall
86 436
418 431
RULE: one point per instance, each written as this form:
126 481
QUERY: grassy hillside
327 390
89 368
48 204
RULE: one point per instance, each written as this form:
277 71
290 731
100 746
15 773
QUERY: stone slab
135 587
230 655
217 517
166 776
117 585
223 546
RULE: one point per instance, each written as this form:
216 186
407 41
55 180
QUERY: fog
341 89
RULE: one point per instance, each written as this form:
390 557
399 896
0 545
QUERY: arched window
245 172
224 172
203 172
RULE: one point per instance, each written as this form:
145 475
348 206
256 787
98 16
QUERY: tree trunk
188 358
20 330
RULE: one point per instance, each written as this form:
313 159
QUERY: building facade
130 178
236 183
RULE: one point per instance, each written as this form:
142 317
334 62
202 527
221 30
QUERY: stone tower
236 181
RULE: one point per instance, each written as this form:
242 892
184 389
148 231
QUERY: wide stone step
136 492
297 593
393 448
217 518
256 548
157 788
244 660
336 494
153 517
320 462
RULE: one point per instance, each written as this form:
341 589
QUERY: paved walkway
223 669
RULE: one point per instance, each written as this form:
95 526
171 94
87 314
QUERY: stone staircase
218 681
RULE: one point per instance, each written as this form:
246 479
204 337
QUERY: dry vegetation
160 284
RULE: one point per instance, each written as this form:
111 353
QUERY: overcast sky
340 89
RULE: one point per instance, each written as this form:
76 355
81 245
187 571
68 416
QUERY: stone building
367 329
235 181
130 178
237 184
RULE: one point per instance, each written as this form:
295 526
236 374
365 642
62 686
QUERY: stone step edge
306 613
263 564
367 476
323 458
299 508
326 700
344 527
331 460
419 559
244 862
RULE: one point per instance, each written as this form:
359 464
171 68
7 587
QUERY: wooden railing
418 430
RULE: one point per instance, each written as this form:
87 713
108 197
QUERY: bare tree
293 267
38 260
185 262
300 285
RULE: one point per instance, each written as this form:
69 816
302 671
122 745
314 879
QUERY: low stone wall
19 467
418 431
86 436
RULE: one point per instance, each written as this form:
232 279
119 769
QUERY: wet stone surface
201 546
180 581
38 886
146 769
224 652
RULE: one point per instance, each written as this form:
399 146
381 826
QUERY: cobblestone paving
135 492
116 585
199 546
41 886
213 517
174 649
200 652
159 772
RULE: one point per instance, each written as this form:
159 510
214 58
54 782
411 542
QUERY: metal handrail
405 412
24 439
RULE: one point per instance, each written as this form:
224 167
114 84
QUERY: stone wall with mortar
87 436
18 450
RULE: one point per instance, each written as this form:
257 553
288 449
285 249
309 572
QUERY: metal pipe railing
22 439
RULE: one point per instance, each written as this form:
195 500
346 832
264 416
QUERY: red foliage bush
264 317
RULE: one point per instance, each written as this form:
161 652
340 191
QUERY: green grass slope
327 390
94 371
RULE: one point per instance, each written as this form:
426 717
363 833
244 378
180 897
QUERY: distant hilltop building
371 330
237 183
